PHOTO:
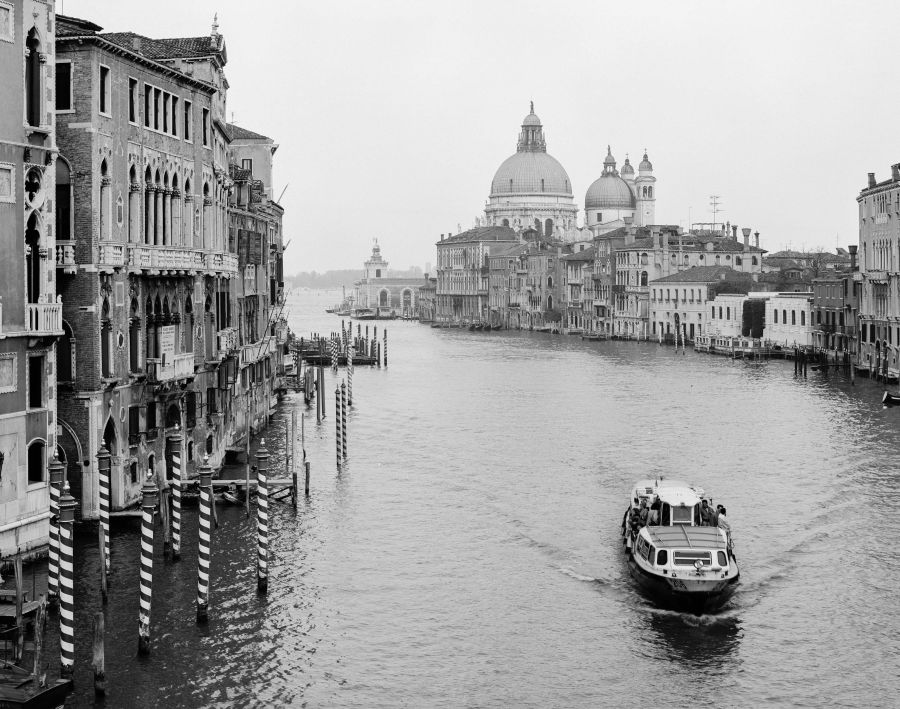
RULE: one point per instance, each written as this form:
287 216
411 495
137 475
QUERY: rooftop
236 132
706 274
482 233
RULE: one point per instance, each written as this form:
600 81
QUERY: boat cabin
679 503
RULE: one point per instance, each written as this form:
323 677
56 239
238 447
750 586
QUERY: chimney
895 172
136 44
756 236
734 229
629 219
871 179
746 232
852 249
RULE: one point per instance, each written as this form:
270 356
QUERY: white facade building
789 319
613 197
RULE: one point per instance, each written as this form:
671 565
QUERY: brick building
156 324
30 314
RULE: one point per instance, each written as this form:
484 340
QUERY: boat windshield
682 515
687 558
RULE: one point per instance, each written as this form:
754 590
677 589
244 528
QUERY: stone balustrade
226 341
181 366
44 318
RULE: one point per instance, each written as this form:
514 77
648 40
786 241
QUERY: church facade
388 297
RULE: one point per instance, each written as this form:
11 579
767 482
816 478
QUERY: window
187 121
728 313
175 116
7 182
104 90
157 97
8 375
784 317
36 462
151 421
793 317
7 15
63 86
723 559
205 127
687 558
211 400
134 425
36 379
247 164
132 100
165 112
148 98
662 557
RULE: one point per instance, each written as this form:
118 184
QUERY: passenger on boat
722 523
654 512
706 514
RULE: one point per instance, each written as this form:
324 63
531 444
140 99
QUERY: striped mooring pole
66 583
343 422
148 506
56 478
262 518
176 492
385 347
204 543
337 425
350 376
103 461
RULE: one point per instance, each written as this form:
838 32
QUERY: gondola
890 399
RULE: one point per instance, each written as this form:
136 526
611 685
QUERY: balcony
181 366
165 259
226 342
221 262
65 256
44 318
112 256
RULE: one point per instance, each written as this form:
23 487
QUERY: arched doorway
406 302
383 299
37 464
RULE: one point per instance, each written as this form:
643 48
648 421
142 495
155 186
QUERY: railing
181 366
226 341
112 254
166 257
248 353
218 261
65 253
44 318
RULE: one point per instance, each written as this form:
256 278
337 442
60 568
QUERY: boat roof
682 536
675 492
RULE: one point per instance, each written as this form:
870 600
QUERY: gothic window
104 94
63 200
33 258
36 462
643 278
33 78
106 344
548 227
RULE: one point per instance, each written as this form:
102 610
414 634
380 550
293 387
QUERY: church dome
531 173
627 170
531 170
609 191
645 164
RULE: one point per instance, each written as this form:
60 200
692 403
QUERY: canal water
468 555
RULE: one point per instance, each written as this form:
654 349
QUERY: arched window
36 464
754 261
793 317
33 258
105 205
784 316
537 226
65 356
134 338
549 302
506 222
803 317
643 278
548 226
148 207
775 311
33 78
106 343
549 281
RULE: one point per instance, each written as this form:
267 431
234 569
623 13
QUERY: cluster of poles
62 512
335 347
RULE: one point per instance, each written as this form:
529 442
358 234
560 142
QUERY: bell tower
376 266
645 193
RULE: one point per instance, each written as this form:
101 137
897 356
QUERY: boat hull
696 597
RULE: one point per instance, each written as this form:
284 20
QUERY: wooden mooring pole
337 425
66 583
205 540
343 422
40 622
175 444
306 486
103 467
150 496
56 476
262 518
99 655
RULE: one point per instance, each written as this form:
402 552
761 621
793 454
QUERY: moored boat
363 314
889 399
675 553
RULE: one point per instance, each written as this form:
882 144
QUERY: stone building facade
30 311
388 297
165 315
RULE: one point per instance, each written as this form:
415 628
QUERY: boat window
681 515
697 515
687 558
666 511
662 557
723 560
651 553
641 543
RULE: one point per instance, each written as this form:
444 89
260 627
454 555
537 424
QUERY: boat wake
725 617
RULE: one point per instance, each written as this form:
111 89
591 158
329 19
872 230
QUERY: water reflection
707 642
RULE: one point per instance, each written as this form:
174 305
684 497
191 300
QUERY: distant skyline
392 117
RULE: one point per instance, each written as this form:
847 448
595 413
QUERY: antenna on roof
278 201
715 206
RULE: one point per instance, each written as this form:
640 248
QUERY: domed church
532 189
613 196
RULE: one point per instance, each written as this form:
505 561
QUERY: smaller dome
645 163
609 191
531 120
627 169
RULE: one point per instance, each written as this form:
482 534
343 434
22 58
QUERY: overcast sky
392 117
